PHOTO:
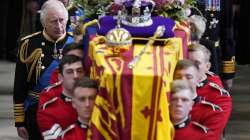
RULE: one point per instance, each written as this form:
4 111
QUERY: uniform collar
82 125
197 99
66 98
202 83
182 124
46 36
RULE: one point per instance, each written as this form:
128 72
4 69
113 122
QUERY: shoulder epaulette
214 106
222 90
49 102
68 129
204 128
56 84
31 35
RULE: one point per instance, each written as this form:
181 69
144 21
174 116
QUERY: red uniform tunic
214 78
50 92
54 77
213 93
75 132
190 130
55 115
208 114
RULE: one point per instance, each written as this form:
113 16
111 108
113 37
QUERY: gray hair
52 5
199 24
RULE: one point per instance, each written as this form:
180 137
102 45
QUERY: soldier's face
191 74
83 101
180 105
70 73
55 23
198 57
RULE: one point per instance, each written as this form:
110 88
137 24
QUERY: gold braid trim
34 59
19 112
229 66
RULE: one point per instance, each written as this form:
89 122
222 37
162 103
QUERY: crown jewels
118 39
137 13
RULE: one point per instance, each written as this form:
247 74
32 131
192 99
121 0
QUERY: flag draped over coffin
132 103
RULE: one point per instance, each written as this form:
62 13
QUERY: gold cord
34 59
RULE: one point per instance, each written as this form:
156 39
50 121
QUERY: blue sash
44 79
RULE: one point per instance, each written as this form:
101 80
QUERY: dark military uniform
218 37
37 58
242 22
191 130
76 131
55 115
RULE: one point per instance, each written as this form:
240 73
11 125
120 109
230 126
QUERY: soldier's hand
22 132
227 83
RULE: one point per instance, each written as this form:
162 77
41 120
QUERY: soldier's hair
68 59
198 47
52 5
179 85
72 46
185 64
85 82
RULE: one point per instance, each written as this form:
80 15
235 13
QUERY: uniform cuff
19 114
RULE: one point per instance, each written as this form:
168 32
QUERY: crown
137 13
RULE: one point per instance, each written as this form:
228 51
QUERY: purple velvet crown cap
107 23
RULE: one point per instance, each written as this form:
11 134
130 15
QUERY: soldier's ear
208 66
73 103
60 77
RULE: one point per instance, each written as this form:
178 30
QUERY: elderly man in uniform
75 14
38 56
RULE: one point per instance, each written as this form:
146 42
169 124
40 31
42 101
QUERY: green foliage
175 10
94 8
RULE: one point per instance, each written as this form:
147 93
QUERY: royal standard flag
132 103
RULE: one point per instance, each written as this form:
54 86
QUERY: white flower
181 1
